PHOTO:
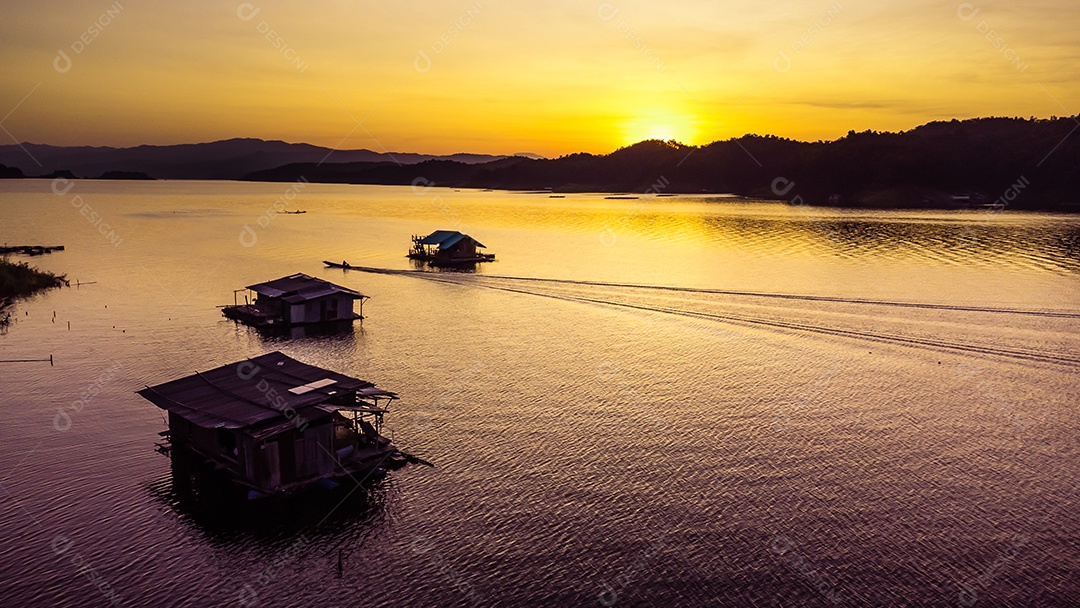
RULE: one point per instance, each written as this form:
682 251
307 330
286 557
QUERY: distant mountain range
994 162
1002 162
228 159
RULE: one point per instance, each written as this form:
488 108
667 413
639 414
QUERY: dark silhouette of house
448 248
275 424
295 300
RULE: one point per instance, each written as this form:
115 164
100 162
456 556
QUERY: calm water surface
642 403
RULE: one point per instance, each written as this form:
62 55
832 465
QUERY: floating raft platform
30 249
448 248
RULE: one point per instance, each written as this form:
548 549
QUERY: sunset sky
550 77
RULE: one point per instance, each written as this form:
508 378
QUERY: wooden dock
30 249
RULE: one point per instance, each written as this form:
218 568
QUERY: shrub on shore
19 279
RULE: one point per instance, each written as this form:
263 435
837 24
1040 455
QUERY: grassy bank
19 279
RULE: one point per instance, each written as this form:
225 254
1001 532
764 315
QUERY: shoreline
881 199
20 280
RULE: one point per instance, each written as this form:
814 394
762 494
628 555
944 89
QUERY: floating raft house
296 300
448 248
277 425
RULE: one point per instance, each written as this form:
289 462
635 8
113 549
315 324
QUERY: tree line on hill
999 162
1002 162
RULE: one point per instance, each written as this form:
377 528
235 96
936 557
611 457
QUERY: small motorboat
342 264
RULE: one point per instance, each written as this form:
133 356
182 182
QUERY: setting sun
422 76
662 125
663 132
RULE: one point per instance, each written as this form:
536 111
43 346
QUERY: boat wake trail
851 318
457 277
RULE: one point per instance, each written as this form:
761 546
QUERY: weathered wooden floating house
276 425
295 300
448 248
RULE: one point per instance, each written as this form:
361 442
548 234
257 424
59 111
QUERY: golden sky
544 76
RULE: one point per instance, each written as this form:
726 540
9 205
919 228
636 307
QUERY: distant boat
620 198
341 264
298 211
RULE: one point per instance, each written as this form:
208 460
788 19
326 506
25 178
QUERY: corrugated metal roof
446 238
437 237
252 392
319 292
300 288
453 240
310 386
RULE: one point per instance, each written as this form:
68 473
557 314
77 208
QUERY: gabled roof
301 288
447 238
256 392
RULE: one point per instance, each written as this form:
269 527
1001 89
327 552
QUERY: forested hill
1024 163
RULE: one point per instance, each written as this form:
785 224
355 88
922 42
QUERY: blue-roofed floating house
296 300
274 424
448 248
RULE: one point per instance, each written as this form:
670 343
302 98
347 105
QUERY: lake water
648 402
